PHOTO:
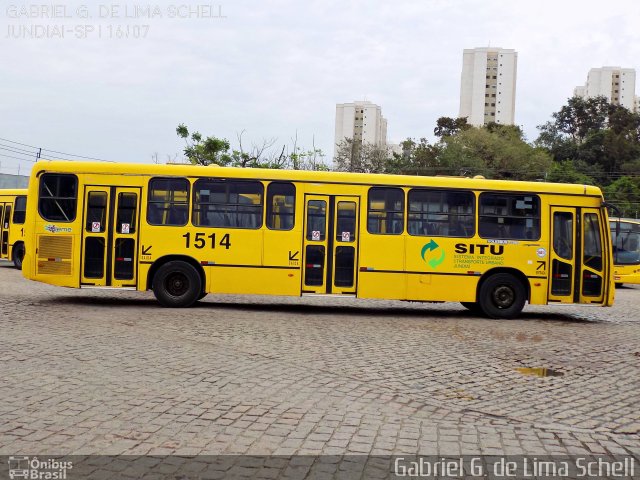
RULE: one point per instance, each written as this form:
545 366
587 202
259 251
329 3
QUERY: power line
56 151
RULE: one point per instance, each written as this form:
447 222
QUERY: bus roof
10 192
136 169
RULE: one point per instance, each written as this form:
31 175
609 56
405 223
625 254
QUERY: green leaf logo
430 250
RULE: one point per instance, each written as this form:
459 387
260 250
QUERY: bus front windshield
626 243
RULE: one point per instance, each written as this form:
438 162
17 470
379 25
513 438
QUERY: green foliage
624 193
447 126
211 150
573 171
353 156
494 151
594 132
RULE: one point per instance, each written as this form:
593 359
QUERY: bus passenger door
110 232
578 261
562 255
594 263
125 237
330 244
94 239
345 245
315 244
5 213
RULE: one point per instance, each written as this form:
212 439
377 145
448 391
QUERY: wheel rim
176 284
503 296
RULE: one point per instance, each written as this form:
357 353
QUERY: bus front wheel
18 255
177 284
502 296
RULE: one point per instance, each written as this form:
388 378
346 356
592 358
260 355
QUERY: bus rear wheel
18 255
502 296
177 284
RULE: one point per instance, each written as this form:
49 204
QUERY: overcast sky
272 68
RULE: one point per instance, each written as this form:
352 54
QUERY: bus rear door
110 236
330 246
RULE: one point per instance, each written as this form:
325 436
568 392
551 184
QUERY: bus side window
168 201
441 213
509 216
281 203
385 213
20 210
227 203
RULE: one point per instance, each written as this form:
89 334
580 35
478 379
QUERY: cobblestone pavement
112 372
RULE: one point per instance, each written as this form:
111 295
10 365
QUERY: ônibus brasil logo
432 254
34 468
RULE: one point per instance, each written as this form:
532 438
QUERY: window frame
480 215
149 201
269 206
227 182
473 215
403 211
41 198
15 210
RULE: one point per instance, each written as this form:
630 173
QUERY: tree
353 156
417 158
594 133
208 151
494 151
265 154
447 126
624 193
573 171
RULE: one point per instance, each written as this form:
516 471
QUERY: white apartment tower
362 121
488 85
616 83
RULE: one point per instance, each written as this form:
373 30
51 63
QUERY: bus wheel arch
176 280
502 293
17 254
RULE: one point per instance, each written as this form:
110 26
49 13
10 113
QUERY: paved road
111 372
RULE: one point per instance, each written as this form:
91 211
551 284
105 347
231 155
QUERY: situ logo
36 469
479 249
432 254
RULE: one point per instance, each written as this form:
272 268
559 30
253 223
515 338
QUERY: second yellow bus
13 206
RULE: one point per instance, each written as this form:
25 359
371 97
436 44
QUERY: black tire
473 307
502 296
177 284
202 295
17 255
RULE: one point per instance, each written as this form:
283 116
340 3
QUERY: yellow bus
13 208
625 236
184 231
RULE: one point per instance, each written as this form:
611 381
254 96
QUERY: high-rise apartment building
616 83
488 85
361 121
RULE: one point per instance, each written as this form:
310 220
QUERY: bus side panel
282 260
383 285
444 288
254 281
539 289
